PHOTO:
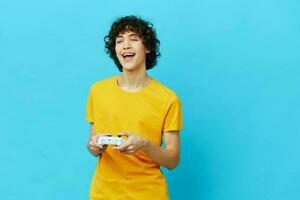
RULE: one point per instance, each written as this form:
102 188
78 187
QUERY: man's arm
170 155
94 149
92 130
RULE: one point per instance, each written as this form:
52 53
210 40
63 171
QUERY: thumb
124 134
94 139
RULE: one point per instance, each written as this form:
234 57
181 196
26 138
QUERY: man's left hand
133 143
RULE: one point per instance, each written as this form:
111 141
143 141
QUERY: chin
129 68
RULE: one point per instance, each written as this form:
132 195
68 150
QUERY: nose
126 44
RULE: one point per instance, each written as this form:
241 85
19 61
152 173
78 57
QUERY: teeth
128 54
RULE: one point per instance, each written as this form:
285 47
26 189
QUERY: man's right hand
94 148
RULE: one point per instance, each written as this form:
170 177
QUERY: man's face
130 51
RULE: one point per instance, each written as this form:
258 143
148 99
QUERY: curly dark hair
143 29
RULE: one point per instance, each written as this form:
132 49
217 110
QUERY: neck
133 80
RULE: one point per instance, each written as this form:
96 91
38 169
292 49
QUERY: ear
147 51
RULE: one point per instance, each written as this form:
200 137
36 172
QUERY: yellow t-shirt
149 112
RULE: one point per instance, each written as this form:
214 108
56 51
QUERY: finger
128 152
130 149
103 147
99 147
94 139
92 144
97 150
96 154
124 134
93 151
123 146
92 148
95 146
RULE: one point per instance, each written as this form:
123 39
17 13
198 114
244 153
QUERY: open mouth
128 56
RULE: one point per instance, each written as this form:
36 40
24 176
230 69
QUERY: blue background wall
235 65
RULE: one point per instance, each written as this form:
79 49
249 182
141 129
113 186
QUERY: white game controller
106 140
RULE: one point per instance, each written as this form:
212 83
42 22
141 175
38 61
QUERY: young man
136 106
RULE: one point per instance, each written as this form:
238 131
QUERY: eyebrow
132 34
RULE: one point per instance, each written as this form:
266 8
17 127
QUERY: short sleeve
173 118
89 107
